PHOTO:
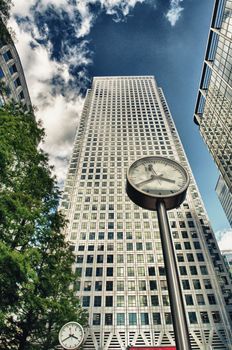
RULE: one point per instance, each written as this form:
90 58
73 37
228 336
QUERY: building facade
119 262
227 255
213 112
225 197
12 80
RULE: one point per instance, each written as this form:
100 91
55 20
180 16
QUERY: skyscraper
213 112
225 197
117 245
12 79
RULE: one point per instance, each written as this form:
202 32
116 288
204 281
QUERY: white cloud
174 12
60 104
224 238
59 112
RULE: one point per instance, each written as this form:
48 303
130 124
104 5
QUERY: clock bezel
149 201
66 325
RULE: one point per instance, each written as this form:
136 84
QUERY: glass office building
12 80
225 197
213 112
119 263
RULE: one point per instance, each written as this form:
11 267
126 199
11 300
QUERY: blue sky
63 43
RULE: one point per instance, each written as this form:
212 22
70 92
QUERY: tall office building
225 197
117 245
12 80
213 112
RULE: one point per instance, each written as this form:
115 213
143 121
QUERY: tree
36 278
5 6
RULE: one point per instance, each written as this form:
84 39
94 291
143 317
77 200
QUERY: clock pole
174 287
160 184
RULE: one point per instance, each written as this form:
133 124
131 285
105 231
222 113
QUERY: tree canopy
36 278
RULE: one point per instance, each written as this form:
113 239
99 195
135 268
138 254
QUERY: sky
64 43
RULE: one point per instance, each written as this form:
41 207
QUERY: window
120 319
110 259
77 286
120 286
197 245
130 272
200 299
185 284
163 285
204 317
162 271
142 285
109 271
168 318
79 259
151 271
7 56
109 285
190 257
204 270
131 300
99 259
109 300
154 300
85 301
96 319
132 319
153 285
99 271
87 285
108 319
166 300
156 318
1 73
192 317
187 245
141 271
212 300
144 318
13 69
200 257
188 299
143 300
207 284
196 284
183 270
89 259
120 300
17 82
98 285
193 270
180 257
216 316
97 300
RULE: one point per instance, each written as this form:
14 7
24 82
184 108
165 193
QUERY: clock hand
67 337
75 337
150 167
153 177
165 179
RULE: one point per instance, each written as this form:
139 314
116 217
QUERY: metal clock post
160 184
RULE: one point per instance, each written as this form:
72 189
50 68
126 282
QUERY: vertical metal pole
174 288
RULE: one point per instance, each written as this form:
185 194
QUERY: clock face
71 335
158 176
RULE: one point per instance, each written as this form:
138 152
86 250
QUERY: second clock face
71 335
157 176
